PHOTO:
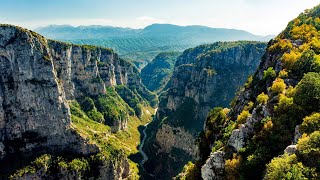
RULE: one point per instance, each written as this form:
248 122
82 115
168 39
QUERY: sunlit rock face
37 79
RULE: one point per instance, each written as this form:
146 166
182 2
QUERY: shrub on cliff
278 86
269 73
232 167
262 98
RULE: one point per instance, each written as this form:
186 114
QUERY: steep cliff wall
34 110
89 71
39 79
203 77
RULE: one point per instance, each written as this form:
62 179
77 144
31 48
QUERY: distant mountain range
142 45
198 34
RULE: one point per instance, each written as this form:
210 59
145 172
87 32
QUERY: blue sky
257 16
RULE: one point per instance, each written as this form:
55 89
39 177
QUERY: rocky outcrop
169 137
297 134
239 136
291 149
213 169
203 77
119 170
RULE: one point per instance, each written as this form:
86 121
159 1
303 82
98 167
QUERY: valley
161 101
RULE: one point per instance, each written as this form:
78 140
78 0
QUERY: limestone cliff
34 112
89 71
203 77
38 77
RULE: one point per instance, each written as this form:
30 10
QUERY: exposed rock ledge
213 169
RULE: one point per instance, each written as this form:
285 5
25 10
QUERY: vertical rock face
82 67
213 169
33 107
88 71
37 79
203 77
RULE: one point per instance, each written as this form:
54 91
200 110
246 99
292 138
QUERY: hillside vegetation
272 128
157 73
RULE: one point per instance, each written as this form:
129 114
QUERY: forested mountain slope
272 129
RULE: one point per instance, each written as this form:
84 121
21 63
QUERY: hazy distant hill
142 45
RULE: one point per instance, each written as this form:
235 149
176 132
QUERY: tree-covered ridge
264 118
158 72
207 51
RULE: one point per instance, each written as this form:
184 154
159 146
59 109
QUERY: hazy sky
256 16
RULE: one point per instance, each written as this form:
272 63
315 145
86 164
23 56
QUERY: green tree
311 123
287 168
278 86
262 98
308 92
309 149
270 73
